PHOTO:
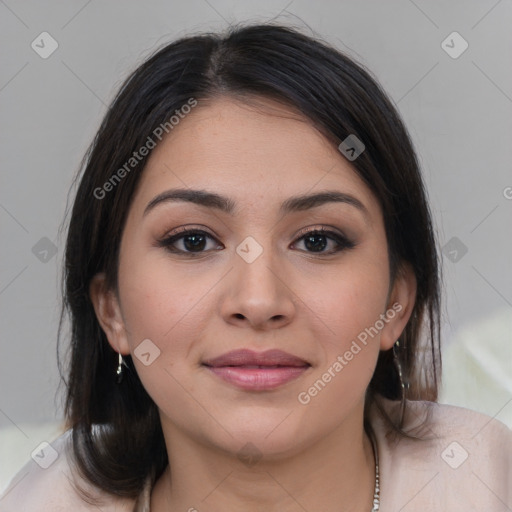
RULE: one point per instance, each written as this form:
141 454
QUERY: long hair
117 436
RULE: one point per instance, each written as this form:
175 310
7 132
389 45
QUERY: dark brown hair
117 436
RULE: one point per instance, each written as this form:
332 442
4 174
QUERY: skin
312 305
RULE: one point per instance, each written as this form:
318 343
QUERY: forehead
257 151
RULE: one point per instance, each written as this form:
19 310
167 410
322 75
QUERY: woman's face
250 277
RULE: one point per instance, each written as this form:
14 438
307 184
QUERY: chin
272 433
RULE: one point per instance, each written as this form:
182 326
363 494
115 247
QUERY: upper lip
246 357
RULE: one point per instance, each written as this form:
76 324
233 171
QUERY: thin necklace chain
376 492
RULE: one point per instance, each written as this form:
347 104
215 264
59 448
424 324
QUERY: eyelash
342 242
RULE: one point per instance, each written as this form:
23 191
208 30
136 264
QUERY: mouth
255 371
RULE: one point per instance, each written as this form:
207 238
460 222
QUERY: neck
335 473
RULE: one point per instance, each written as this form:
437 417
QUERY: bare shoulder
47 483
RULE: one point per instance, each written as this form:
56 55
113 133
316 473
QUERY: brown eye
195 241
316 241
191 240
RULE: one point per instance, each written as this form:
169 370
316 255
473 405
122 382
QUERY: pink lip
257 371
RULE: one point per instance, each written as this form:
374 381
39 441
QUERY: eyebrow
227 205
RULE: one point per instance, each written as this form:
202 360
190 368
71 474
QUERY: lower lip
258 379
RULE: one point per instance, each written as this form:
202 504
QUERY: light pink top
465 466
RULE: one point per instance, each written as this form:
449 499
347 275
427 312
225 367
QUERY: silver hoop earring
403 384
119 371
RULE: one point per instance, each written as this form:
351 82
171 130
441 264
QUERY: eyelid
185 229
319 229
303 231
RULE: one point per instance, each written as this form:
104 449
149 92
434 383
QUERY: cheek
164 305
352 297
349 302
157 296
349 354
158 310
170 306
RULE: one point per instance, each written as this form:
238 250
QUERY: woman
252 279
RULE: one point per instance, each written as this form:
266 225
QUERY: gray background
458 111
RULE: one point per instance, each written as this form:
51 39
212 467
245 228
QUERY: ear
108 313
400 306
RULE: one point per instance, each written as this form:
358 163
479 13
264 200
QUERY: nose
257 294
